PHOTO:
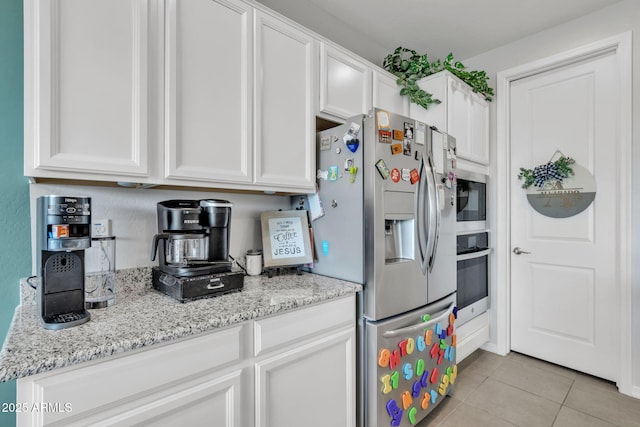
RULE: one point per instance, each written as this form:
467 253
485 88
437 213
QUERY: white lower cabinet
305 367
291 369
310 385
213 399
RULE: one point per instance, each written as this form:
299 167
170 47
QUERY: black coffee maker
195 234
63 232
193 247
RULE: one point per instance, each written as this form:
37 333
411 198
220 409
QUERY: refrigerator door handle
420 326
422 205
434 215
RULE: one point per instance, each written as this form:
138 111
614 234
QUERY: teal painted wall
15 235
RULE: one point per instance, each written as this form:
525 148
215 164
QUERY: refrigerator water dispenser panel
399 242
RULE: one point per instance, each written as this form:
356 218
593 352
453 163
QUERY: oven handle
473 255
420 326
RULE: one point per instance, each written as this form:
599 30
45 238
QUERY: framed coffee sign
285 238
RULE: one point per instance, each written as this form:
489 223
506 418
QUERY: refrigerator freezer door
410 364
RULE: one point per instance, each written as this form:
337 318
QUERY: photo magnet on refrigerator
333 173
408 130
350 138
406 150
384 136
421 131
414 176
395 175
382 168
325 143
382 117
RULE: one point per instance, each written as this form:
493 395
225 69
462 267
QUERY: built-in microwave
471 207
473 275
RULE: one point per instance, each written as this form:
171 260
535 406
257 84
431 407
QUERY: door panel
87 76
208 133
570 287
564 305
284 99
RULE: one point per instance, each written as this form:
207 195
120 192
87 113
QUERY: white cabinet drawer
211 397
277 331
91 387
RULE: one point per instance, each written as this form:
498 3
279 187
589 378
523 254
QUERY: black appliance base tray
193 288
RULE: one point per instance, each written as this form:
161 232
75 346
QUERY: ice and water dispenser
398 239
399 223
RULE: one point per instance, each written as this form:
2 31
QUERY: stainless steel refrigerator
384 216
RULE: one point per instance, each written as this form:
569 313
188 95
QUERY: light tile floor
518 390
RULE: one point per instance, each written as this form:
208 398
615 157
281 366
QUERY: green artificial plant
410 67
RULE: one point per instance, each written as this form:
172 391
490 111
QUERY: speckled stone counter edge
143 316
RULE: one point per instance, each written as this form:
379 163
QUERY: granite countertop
143 316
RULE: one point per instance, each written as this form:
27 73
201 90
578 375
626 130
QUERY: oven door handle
420 326
473 255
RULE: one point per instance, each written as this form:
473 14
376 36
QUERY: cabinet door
86 109
345 84
436 115
148 378
459 116
311 385
217 400
479 128
386 94
208 91
284 114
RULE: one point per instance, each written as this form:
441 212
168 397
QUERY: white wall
331 27
133 215
619 18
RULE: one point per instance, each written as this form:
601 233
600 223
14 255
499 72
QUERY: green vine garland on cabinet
410 67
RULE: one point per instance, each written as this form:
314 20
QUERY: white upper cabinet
463 114
208 73
285 64
345 83
86 103
386 94
203 93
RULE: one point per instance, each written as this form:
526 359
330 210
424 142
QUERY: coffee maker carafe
63 232
193 237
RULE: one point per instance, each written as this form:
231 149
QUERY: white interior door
564 300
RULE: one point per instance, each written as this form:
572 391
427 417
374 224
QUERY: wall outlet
101 228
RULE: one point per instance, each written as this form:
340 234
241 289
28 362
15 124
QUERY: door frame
621 45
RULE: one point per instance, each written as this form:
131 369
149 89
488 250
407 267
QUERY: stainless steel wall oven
473 275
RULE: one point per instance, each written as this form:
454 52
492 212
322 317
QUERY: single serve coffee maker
193 248
63 232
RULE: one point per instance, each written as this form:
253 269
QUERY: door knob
519 251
